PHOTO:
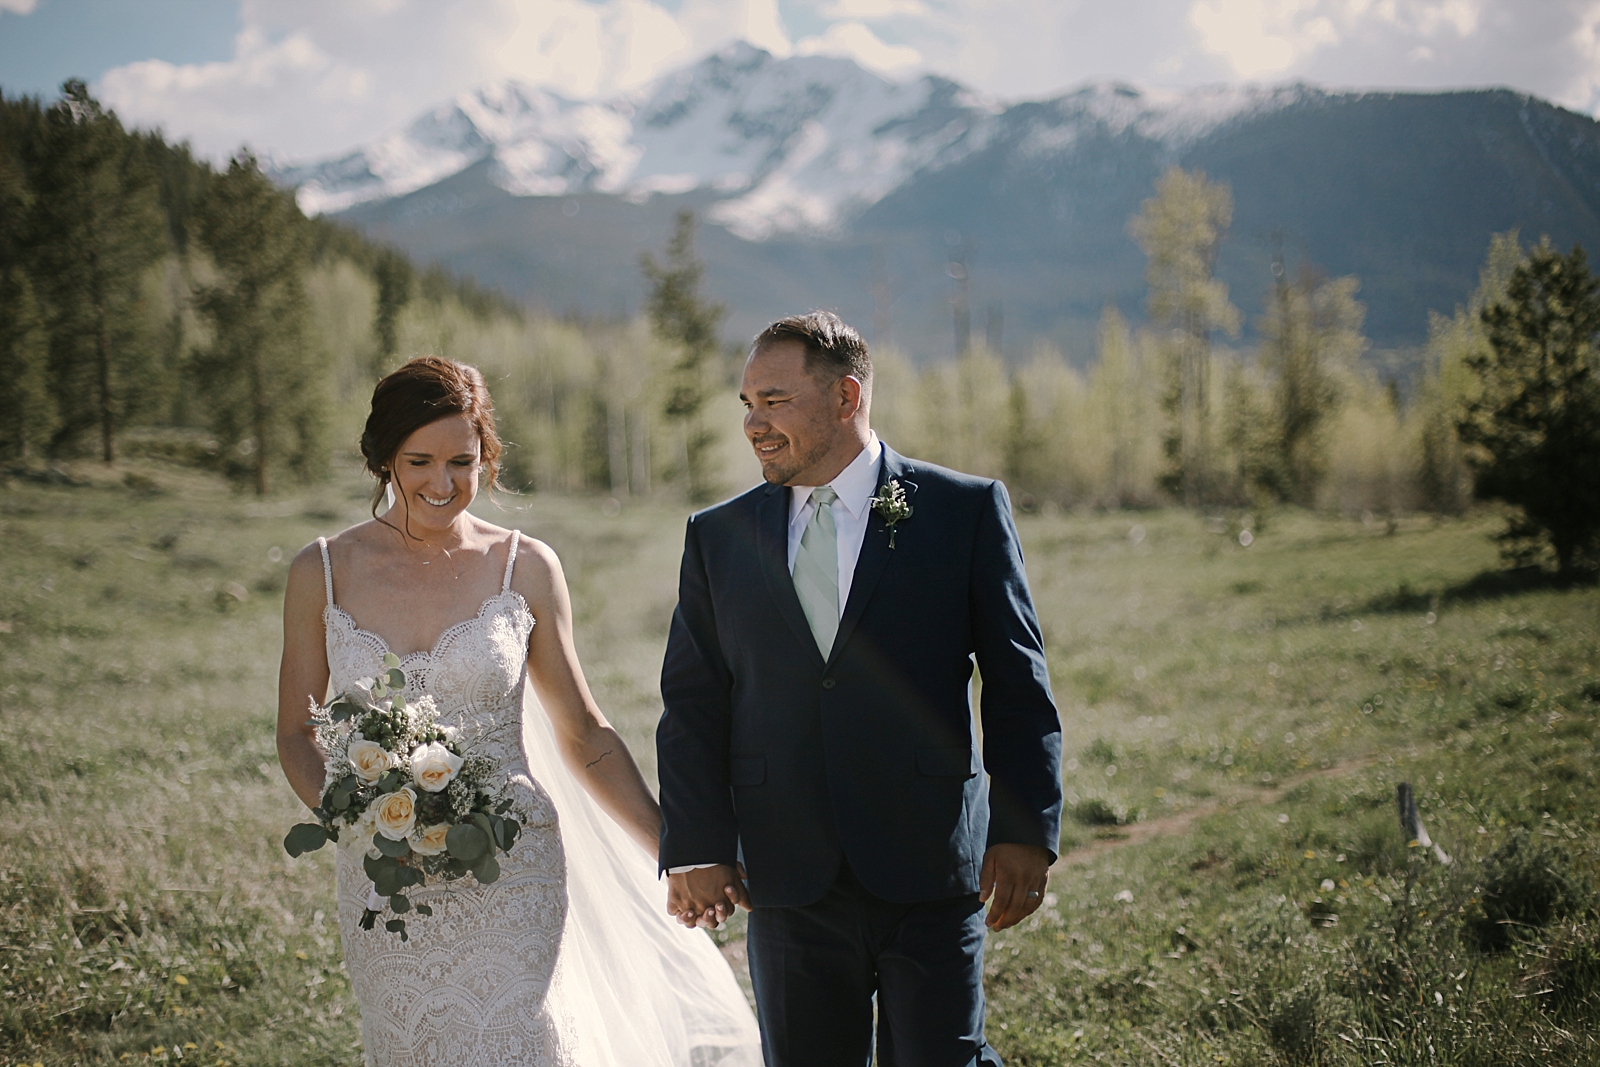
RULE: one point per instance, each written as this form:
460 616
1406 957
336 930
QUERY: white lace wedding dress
567 959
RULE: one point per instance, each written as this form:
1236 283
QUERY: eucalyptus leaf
390 782
512 829
487 869
409 876
388 882
341 800
481 821
466 842
397 926
397 849
391 660
304 837
377 866
423 909
396 677
399 903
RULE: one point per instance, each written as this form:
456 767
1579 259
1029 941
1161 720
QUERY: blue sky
61 39
302 79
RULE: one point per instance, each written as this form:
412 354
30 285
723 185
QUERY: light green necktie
816 570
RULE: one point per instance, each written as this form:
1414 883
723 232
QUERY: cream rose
396 814
430 842
369 758
433 766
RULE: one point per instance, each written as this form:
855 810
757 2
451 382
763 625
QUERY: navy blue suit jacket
773 756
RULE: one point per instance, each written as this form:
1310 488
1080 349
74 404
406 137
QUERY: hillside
826 184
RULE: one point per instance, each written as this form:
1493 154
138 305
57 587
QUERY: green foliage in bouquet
433 812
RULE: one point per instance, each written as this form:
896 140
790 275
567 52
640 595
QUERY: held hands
706 896
1012 882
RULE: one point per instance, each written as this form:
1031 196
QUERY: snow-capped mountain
827 186
797 145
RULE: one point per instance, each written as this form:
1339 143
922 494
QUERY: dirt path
1179 822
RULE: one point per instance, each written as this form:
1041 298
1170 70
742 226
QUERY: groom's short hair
832 347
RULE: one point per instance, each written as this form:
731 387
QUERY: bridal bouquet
431 811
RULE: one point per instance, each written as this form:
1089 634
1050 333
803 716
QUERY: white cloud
18 7
856 41
585 49
873 9
1260 37
713 23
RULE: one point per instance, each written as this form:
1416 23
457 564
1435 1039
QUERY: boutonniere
891 503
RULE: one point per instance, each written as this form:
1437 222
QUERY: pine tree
27 410
264 388
1534 430
685 320
1181 230
395 277
96 231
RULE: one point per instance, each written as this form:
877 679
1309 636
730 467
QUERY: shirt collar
855 484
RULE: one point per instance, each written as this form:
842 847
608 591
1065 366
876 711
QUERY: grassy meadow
1234 886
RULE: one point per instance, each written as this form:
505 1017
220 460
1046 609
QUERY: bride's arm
592 749
302 676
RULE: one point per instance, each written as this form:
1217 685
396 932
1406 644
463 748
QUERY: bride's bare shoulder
537 573
353 540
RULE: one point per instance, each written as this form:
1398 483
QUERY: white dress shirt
855 486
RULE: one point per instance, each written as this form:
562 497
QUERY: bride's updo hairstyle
425 390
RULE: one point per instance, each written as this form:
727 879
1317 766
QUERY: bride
568 958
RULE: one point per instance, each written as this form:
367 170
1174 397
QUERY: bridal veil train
632 987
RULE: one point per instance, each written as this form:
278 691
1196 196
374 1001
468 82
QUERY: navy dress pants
817 967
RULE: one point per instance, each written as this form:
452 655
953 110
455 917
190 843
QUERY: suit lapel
875 552
772 544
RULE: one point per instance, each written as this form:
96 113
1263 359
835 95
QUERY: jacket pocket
946 762
747 770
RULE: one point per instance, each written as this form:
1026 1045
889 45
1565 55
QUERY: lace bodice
474 672
469 987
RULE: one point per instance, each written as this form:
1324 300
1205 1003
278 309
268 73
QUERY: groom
817 727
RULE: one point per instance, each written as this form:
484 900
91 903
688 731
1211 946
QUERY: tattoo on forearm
597 759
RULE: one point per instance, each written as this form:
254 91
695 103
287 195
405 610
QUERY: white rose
433 766
395 814
369 759
430 842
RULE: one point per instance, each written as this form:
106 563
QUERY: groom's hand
706 896
1012 882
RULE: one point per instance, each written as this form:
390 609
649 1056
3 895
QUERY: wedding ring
1033 894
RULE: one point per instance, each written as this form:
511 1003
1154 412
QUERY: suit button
828 683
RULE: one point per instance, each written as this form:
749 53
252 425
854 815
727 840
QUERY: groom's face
796 421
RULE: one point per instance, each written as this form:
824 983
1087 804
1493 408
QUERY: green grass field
1234 888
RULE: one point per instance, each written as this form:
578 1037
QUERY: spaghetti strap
327 569
511 561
